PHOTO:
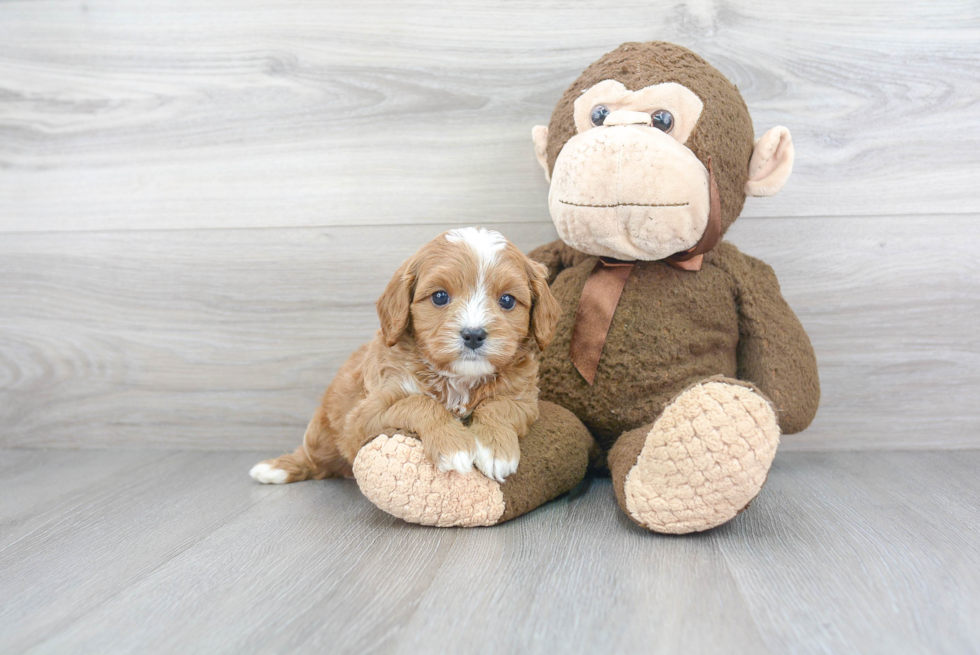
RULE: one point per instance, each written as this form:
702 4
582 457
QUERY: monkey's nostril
473 338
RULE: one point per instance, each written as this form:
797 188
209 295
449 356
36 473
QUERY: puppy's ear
395 303
545 310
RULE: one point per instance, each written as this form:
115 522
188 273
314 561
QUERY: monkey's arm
556 256
774 351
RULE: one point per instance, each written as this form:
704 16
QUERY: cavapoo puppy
455 362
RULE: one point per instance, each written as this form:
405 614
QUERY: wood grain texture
269 113
898 528
25 504
225 339
842 552
110 535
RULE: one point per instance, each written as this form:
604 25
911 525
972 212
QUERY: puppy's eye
440 298
507 301
599 113
662 120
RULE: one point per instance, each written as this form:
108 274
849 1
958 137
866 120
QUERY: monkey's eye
662 120
507 301
440 298
599 113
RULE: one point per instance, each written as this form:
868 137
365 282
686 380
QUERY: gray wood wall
200 202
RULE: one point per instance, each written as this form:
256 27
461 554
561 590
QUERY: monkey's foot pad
704 460
394 473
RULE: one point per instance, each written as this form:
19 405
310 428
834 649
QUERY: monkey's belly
671 328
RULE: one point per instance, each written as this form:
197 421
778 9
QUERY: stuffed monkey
677 363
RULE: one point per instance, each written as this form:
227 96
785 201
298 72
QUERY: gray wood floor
139 551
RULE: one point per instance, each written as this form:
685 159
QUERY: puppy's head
471 301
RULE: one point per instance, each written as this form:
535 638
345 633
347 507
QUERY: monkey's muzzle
630 192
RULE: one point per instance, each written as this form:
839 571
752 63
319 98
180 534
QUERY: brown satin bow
605 285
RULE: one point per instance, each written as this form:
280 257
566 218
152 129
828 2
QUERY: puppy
455 363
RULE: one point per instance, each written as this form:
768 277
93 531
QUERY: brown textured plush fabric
621 459
724 130
673 328
774 351
554 458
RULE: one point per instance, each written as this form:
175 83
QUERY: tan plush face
471 301
628 147
625 185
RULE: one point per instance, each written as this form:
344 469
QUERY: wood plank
37 485
225 339
20 460
309 558
111 535
580 577
842 552
265 113
316 568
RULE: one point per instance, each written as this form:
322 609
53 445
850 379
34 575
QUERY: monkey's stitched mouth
627 204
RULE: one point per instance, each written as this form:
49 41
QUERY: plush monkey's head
628 148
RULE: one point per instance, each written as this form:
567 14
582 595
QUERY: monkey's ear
545 309
539 134
771 163
394 305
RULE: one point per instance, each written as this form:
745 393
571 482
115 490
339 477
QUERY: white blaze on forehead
485 244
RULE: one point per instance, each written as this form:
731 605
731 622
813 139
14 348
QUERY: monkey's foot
703 461
394 473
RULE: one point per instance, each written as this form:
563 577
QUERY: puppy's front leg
447 443
498 426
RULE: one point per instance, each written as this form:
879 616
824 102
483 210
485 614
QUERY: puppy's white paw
460 461
493 467
265 474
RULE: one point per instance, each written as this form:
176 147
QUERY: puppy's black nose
473 337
